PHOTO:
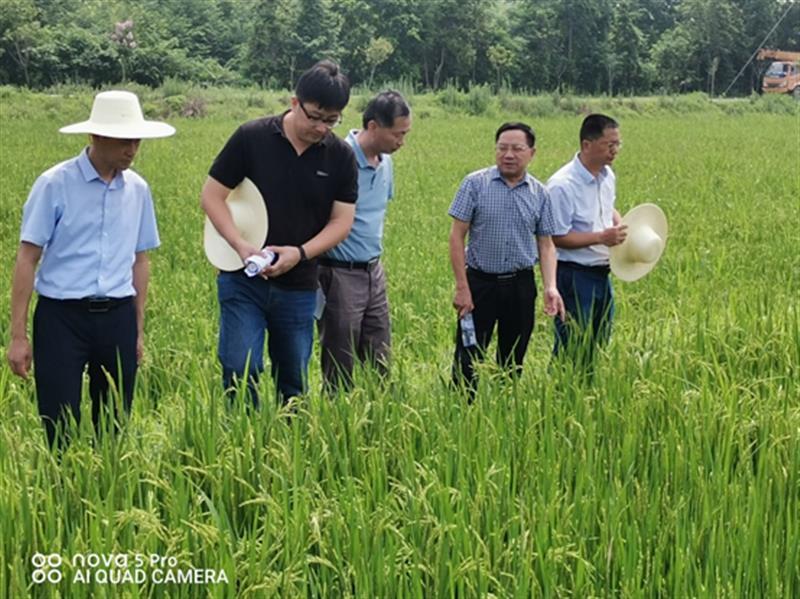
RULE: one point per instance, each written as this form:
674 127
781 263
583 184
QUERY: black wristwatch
303 257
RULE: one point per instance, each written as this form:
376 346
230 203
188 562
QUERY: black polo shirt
299 191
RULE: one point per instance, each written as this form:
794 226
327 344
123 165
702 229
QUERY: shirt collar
90 173
494 173
584 173
361 158
87 168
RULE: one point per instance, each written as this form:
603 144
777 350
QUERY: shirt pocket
527 213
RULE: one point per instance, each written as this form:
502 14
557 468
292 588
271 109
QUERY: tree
626 48
376 53
501 59
21 33
270 58
701 46
123 38
316 33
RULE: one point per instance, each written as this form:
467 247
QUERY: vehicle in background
783 74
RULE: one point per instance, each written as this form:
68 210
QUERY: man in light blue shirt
583 193
355 322
90 221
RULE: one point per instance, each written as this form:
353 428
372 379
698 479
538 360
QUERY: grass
676 473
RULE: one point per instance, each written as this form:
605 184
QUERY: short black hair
526 129
385 108
594 126
325 85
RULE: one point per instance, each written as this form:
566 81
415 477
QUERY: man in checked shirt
502 207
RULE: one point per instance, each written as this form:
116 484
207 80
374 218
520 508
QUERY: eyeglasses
330 122
612 145
515 148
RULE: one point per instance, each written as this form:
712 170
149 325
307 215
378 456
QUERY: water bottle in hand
257 262
468 336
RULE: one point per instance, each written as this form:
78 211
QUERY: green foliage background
615 47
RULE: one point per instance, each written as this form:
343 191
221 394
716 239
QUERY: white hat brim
644 215
249 214
140 130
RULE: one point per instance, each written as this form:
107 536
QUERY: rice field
675 472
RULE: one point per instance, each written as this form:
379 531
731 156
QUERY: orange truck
783 74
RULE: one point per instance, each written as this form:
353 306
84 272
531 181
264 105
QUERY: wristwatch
303 257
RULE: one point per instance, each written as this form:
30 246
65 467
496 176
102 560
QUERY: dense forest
581 46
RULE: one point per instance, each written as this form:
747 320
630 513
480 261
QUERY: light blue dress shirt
89 230
583 203
375 189
502 220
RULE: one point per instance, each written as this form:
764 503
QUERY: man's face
390 139
603 150
115 153
513 154
312 123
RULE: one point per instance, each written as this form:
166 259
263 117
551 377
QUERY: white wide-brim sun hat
647 237
117 114
249 214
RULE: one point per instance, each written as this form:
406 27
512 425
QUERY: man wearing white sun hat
90 220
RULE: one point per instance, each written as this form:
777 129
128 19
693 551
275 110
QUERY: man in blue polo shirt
583 193
90 220
355 322
502 208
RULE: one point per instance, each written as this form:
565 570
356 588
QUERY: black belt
599 269
94 304
350 265
500 276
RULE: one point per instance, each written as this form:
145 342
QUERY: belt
599 269
94 304
369 265
502 276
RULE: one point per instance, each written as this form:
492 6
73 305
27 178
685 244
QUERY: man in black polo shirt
309 181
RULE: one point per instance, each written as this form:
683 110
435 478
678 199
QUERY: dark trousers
67 335
355 324
589 300
248 309
508 301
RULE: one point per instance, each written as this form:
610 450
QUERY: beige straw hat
117 114
249 214
642 248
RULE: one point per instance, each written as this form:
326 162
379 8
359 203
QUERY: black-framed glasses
330 122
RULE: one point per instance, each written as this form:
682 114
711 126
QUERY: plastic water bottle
468 336
256 263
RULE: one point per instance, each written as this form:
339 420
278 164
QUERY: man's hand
20 356
614 235
553 304
462 301
288 257
245 250
139 348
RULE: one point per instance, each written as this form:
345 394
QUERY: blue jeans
248 308
589 300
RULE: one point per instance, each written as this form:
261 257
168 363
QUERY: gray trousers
355 323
